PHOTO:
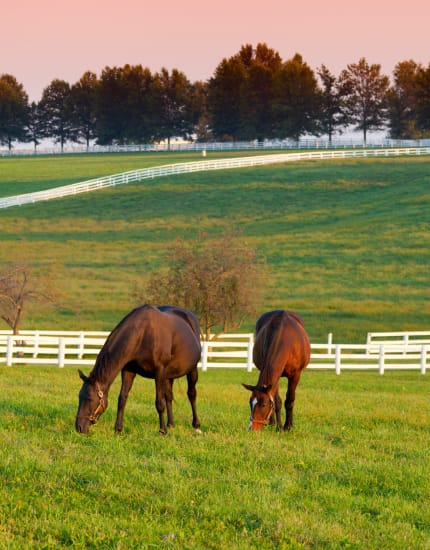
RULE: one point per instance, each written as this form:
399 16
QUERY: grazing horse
281 349
162 343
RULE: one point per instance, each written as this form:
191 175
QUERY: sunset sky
45 39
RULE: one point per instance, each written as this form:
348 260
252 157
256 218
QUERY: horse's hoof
198 431
162 432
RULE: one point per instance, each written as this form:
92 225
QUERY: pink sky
45 39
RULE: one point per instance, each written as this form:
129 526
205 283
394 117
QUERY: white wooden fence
405 339
62 349
206 165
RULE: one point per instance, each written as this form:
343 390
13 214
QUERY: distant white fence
395 339
229 351
344 141
199 166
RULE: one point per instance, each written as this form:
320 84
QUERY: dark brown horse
281 349
162 343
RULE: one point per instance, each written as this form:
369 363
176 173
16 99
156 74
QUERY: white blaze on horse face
254 402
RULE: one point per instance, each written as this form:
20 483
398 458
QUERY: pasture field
347 242
353 472
34 173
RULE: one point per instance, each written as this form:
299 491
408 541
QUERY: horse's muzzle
82 426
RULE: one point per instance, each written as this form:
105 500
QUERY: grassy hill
347 242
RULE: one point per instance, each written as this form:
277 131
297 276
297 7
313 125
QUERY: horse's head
92 403
262 406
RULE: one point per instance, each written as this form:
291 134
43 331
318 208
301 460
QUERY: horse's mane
269 333
104 355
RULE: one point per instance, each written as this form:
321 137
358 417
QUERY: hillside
347 242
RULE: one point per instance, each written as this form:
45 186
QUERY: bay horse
281 349
161 343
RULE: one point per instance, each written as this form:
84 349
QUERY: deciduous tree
20 288
174 105
423 100
34 125
83 105
126 108
365 90
221 280
331 116
56 113
225 99
402 101
14 111
296 99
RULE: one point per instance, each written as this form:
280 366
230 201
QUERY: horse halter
100 407
265 421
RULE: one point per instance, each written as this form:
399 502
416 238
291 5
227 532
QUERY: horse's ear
249 387
82 376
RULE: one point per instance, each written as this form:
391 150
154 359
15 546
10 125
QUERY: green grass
353 473
28 173
347 242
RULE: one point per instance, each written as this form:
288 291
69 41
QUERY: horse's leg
169 399
289 401
127 379
192 378
278 408
160 397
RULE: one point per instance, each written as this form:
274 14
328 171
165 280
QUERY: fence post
337 359
329 342
9 351
423 359
381 359
204 358
368 341
36 344
81 345
61 352
405 343
249 361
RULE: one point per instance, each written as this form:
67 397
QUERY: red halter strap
265 421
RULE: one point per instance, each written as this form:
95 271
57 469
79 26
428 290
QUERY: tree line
252 95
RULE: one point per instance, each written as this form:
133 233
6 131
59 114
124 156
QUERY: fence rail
230 351
393 339
343 142
205 165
